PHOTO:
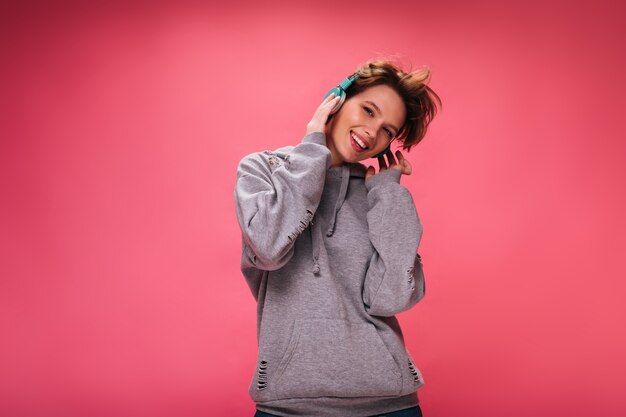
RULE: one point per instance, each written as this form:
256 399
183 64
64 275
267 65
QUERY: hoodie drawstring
343 190
315 226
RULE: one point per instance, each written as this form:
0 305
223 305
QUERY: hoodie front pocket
337 358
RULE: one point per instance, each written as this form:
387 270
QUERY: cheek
356 115
352 120
346 120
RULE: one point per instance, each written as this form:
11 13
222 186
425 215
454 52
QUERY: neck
336 160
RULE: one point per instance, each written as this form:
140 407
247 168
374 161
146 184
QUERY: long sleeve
394 281
276 196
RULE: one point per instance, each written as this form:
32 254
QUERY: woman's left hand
402 164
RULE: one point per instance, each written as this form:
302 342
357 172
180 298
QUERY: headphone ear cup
339 92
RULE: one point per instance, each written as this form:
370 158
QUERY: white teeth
357 140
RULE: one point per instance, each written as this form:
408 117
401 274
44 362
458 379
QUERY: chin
351 157
359 159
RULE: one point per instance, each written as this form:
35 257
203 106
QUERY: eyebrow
381 113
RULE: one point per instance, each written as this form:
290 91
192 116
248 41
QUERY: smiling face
372 117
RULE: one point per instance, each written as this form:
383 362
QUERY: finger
392 160
383 164
326 100
404 163
328 107
400 157
328 104
330 98
406 167
333 101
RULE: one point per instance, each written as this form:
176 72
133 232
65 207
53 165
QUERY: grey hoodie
330 259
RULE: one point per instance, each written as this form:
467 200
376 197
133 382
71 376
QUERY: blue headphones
340 91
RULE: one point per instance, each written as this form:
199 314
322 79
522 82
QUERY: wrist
381 178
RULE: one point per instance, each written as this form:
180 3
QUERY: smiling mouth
358 140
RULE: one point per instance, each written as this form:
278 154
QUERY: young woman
330 253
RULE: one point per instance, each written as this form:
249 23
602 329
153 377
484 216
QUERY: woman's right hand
318 122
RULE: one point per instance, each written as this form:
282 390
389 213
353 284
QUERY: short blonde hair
420 100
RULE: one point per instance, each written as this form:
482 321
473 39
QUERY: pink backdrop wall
121 129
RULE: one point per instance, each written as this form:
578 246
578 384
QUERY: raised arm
394 281
277 194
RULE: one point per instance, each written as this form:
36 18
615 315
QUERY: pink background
121 129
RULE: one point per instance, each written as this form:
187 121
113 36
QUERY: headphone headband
347 82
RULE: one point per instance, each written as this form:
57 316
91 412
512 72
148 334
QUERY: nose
374 130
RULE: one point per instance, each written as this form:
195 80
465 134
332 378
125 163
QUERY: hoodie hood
345 172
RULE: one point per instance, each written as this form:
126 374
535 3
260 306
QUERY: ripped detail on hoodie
411 277
303 224
277 160
413 369
411 271
262 375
